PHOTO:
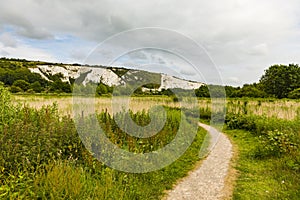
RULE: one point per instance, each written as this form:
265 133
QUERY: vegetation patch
42 157
262 176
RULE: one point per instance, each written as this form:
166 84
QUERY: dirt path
208 180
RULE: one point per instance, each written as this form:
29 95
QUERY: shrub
36 87
30 138
24 85
15 89
277 143
241 122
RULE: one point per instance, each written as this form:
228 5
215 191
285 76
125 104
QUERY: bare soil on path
208 180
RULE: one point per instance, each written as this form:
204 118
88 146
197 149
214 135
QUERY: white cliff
107 76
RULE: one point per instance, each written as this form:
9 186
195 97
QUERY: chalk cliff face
174 82
112 76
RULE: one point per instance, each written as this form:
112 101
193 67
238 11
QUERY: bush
241 122
36 87
15 89
24 85
276 143
30 138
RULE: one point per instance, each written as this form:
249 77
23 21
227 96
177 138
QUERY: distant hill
36 76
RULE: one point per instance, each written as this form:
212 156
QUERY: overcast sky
242 38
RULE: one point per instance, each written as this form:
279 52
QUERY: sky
238 38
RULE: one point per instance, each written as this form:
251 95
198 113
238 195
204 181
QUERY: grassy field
42 157
278 108
65 103
268 162
259 177
265 131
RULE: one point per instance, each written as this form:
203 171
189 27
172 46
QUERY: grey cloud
188 72
78 55
23 26
35 33
4 53
8 40
234 81
235 33
260 49
207 21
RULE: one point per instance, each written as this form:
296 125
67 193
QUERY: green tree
231 91
60 86
295 94
217 91
138 91
279 80
36 87
24 85
202 91
101 89
251 90
15 89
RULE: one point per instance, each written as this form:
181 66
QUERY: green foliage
88 89
15 73
261 176
248 90
277 143
12 71
215 91
15 89
60 86
36 87
202 91
6 108
24 85
142 118
295 94
152 85
279 80
103 89
251 90
42 157
241 122
232 91
167 92
269 155
119 71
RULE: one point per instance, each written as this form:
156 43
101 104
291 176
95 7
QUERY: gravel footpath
207 181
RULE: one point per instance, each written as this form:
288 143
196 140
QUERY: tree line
278 81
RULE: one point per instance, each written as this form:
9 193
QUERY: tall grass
269 152
42 156
278 108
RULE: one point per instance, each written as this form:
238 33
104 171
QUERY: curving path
208 180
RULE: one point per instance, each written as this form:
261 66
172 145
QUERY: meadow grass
268 163
65 103
278 108
263 178
42 157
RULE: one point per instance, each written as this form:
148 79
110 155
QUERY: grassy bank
263 177
269 156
